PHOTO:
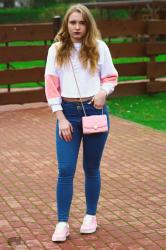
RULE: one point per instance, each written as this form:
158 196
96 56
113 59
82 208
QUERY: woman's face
76 27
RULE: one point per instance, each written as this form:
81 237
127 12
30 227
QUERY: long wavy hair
88 54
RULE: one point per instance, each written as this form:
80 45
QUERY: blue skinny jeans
67 154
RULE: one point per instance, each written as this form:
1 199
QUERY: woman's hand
99 99
65 127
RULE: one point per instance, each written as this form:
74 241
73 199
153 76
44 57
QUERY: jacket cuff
109 88
56 107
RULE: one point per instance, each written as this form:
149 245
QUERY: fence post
8 67
152 38
56 24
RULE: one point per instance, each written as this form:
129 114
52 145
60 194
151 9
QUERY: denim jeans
67 153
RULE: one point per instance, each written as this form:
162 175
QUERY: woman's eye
72 22
82 22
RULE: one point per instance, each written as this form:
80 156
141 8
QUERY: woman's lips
77 33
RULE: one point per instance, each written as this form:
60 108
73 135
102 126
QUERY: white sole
60 239
88 231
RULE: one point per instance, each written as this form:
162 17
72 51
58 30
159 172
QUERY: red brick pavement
132 207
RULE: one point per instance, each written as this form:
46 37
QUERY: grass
149 110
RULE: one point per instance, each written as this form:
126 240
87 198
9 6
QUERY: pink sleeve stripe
52 86
109 79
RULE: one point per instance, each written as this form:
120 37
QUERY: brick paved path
132 208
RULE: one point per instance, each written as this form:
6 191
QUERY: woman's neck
77 45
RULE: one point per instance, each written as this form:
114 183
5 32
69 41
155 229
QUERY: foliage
45 14
42 3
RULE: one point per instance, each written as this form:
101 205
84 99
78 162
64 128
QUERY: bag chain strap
79 89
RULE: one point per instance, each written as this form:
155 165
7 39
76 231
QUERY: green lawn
149 110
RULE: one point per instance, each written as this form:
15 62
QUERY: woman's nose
77 26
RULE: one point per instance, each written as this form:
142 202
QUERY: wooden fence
146 39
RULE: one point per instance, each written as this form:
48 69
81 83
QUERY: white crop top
60 82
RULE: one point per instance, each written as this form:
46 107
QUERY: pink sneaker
89 224
61 232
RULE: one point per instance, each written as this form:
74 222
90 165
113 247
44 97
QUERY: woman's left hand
99 99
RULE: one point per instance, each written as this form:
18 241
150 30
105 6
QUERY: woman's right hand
65 129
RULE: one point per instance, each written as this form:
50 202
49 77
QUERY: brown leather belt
76 99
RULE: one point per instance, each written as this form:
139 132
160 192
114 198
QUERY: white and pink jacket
60 82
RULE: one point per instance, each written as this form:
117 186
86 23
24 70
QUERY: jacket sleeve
108 73
52 82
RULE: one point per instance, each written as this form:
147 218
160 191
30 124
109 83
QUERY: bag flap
94 121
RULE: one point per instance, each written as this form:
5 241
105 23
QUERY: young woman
78 51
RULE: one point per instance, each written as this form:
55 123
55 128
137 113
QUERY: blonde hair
88 54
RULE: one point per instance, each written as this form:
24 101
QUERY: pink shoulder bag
94 123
